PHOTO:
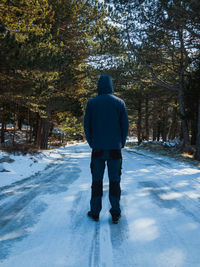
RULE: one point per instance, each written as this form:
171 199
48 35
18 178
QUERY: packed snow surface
43 218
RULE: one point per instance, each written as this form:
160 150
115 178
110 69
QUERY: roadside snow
17 167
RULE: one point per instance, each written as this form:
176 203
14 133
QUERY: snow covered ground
16 167
43 218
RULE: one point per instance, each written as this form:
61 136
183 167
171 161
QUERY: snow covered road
43 218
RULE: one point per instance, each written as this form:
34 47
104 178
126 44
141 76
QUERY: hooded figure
106 130
106 120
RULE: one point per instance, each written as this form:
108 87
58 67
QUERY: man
106 130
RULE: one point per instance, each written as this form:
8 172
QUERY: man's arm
87 124
124 124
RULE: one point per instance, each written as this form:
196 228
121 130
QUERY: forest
53 51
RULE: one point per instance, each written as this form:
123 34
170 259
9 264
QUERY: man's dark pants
114 164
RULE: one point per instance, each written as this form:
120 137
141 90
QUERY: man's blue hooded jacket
106 120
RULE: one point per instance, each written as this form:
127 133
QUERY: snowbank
17 167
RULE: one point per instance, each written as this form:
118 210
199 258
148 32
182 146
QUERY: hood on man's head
105 85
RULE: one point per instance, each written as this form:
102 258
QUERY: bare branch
153 73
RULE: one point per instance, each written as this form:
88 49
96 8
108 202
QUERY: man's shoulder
101 98
118 98
91 100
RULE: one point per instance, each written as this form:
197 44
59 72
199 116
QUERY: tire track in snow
94 257
172 210
91 237
21 207
192 211
192 204
85 236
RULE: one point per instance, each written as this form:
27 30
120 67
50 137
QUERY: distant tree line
51 53
43 50
159 67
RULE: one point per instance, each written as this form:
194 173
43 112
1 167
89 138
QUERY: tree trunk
173 129
2 132
164 128
139 122
197 154
28 129
30 134
38 132
14 134
62 138
51 129
45 123
147 119
154 122
164 133
154 133
27 135
35 129
194 123
185 132
158 130
19 124
14 131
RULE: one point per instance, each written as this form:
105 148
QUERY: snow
132 139
24 166
43 218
